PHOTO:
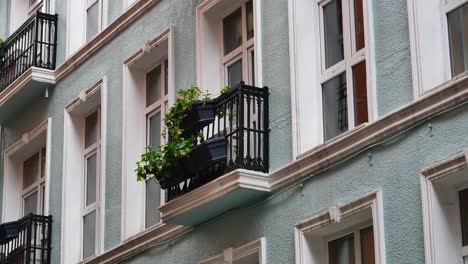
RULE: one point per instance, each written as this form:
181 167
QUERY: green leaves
163 161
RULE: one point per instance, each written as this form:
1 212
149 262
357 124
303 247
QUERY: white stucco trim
134 129
431 206
73 171
12 170
229 255
372 201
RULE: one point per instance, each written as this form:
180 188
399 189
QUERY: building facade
344 131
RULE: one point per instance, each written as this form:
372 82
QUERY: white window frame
232 254
94 149
89 4
442 37
336 214
352 57
243 51
450 175
160 106
36 186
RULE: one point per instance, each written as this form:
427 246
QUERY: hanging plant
164 162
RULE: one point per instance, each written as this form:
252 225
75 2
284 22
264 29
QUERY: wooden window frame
36 186
243 51
160 106
356 231
94 149
351 56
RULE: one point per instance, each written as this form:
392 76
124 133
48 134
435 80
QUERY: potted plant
181 156
9 230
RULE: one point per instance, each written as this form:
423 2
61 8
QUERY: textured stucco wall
392 55
395 164
394 170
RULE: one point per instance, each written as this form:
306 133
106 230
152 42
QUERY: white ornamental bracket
82 96
25 138
228 252
335 213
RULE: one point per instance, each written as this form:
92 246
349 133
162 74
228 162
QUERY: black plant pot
9 230
206 154
200 115
2 53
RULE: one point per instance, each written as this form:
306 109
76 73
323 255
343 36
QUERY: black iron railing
241 117
27 240
33 44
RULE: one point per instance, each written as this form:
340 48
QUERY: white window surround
210 58
440 184
76 23
430 54
73 185
128 3
30 143
37 186
255 250
305 46
134 127
337 221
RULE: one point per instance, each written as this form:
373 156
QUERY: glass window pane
252 63
155 130
92 21
464 215
360 93
250 19
30 170
30 204
234 72
166 77
341 250
153 197
333 31
153 86
359 24
91 173
89 235
43 199
232 31
43 162
249 259
458 39
91 129
367 245
335 106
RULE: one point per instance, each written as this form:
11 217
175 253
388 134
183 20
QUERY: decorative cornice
32 74
445 167
444 97
109 33
138 243
214 190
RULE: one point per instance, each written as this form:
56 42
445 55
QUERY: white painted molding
232 254
370 201
32 74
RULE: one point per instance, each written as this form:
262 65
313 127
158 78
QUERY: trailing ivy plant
162 162
2 43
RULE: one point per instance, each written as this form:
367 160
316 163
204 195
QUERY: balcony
27 61
27 240
238 172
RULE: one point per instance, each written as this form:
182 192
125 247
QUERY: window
34 183
156 107
445 212
457 21
251 253
343 77
345 234
238 45
93 18
355 247
91 201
